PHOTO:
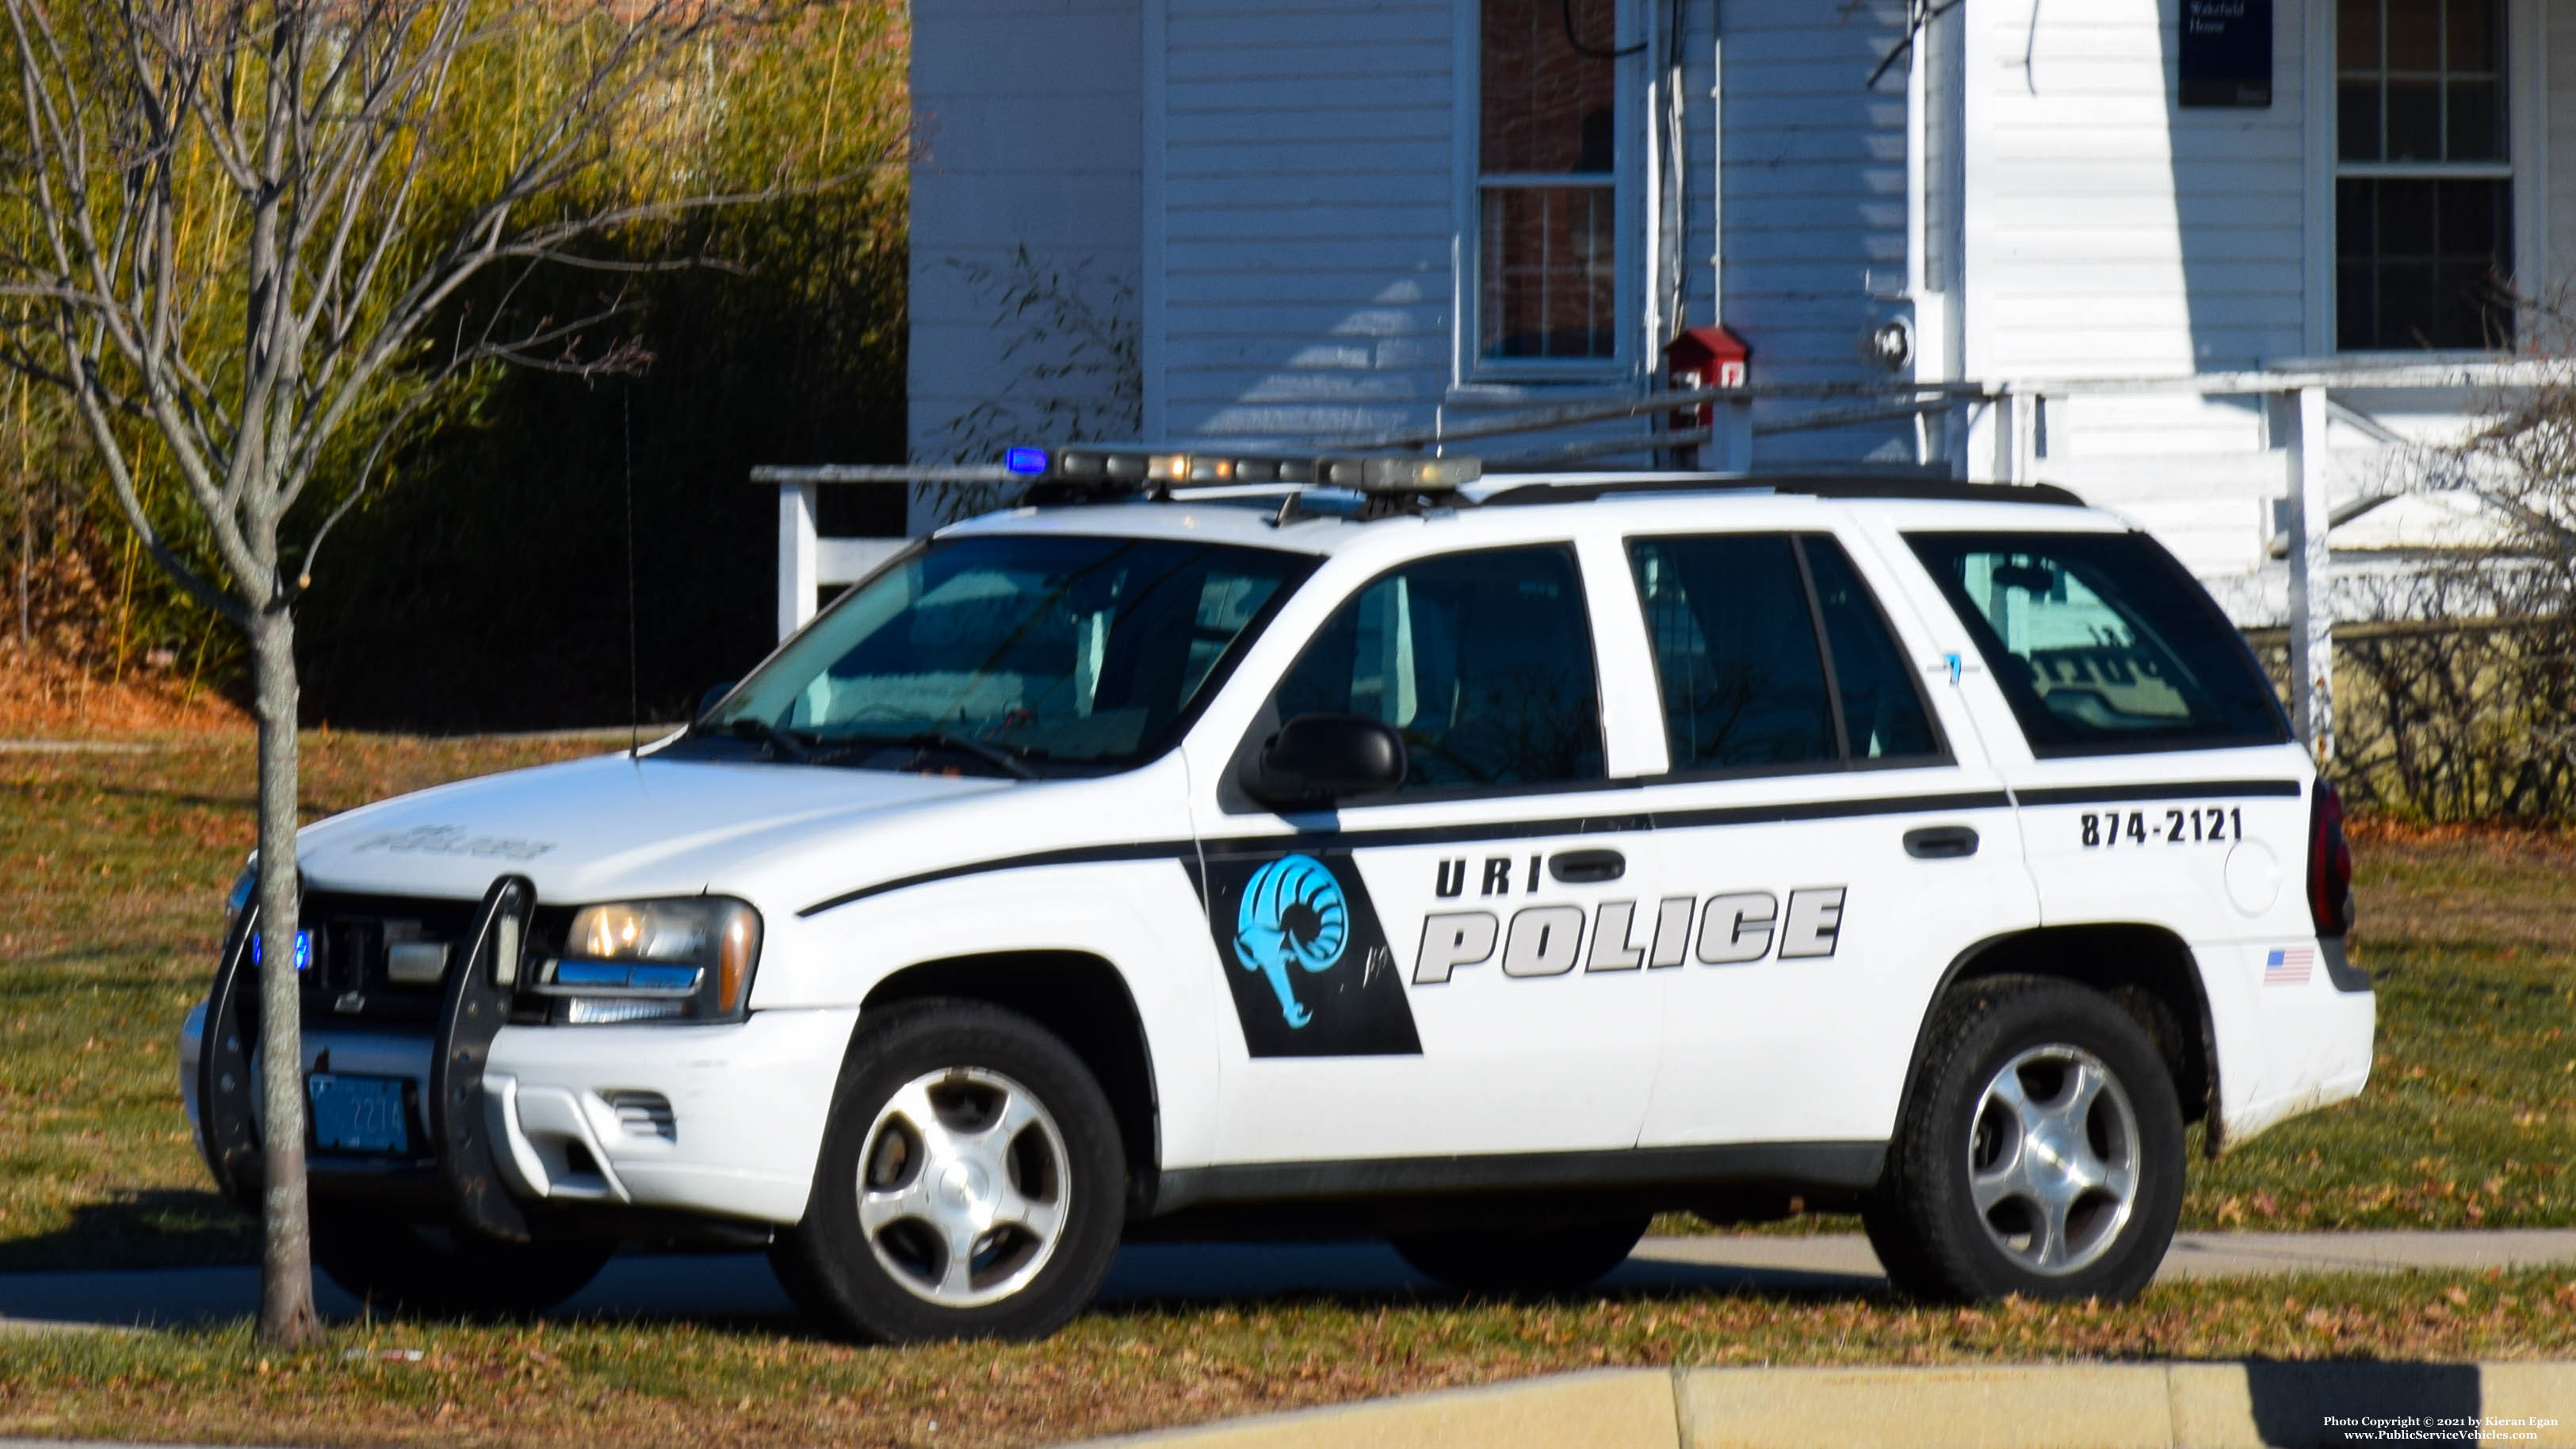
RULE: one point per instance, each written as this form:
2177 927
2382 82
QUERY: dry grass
44 697
1120 1371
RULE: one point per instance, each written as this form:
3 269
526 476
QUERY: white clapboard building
2186 257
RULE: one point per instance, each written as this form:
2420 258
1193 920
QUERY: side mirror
714 696
1318 758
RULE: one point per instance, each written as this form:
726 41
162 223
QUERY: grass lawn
2470 1117
111 870
1130 1369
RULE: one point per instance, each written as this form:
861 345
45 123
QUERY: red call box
1709 356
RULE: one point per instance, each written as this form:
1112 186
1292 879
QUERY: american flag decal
2288 967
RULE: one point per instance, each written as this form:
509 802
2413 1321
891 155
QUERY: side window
1882 705
1735 652
2103 643
1771 654
1482 661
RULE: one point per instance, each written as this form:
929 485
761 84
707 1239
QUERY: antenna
634 667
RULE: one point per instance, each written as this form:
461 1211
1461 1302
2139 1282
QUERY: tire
1555 1259
957 1126
2040 1152
432 1270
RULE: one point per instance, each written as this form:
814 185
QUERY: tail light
2329 864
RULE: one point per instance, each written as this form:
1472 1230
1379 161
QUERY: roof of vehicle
1311 519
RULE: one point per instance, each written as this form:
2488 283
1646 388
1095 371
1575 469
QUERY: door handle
1587 867
1941 842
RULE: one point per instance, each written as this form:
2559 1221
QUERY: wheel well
2147 970
1079 997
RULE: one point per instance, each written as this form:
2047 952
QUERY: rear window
2103 643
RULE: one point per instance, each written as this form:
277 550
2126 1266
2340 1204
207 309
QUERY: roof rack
1816 484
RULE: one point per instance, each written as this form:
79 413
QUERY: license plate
358 1114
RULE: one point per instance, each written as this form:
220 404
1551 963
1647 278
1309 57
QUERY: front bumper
719 1120
726 1120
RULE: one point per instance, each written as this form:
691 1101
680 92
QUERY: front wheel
2040 1152
440 1271
971 1183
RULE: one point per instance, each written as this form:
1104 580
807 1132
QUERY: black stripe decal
1460 834
2179 790
1791 810
1430 834
1084 855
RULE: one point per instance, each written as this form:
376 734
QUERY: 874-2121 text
2201 825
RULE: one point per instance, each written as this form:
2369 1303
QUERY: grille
380 958
645 1114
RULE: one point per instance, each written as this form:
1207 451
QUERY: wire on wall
1565 9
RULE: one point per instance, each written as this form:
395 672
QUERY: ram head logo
1293 914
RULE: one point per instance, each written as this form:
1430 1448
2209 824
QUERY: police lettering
1735 928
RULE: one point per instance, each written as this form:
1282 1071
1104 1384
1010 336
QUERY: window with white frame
1547 183
2423 178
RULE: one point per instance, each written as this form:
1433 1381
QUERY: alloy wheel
2053 1159
964 1187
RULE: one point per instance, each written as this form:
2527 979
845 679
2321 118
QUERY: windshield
1001 653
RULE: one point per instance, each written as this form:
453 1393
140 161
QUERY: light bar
1400 474
1132 467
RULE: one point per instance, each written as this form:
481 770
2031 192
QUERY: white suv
1210 849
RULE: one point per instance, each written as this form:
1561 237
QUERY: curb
2248 1405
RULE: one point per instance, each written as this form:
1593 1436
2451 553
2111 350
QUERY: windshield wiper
992 754
1012 762
782 741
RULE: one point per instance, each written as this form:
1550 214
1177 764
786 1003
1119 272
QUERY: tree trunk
286 1314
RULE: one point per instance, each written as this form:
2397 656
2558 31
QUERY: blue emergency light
303 950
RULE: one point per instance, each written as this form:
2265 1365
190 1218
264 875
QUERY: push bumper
725 1120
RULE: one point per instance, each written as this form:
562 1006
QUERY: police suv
1224 845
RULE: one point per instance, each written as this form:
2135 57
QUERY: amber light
737 948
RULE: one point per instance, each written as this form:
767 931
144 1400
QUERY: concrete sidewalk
2251 1405
739 1285
2194 1255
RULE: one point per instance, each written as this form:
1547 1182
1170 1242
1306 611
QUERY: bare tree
1080 378
227 239
2463 658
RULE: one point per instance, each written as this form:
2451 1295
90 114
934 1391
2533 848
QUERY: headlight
687 959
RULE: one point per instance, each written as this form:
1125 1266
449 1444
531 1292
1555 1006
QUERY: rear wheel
2040 1153
971 1183
434 1270
1551 1259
